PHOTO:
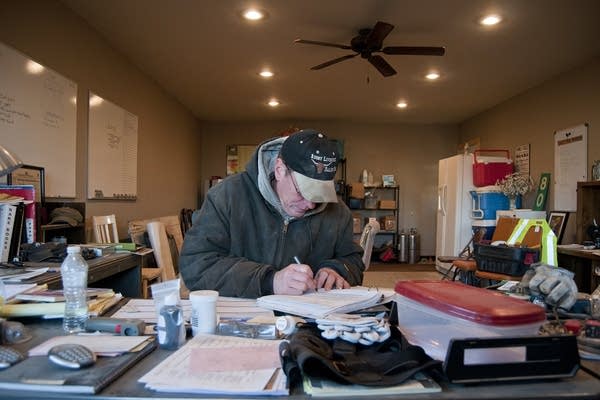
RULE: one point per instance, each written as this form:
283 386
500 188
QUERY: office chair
367 239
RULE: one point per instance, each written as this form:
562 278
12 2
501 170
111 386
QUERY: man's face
289 195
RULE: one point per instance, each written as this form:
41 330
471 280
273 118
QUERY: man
276 228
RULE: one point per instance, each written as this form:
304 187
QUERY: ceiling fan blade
382 66
414 51
378 33
334 61
339 46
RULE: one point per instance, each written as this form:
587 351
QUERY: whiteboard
38 114
570 165
112 151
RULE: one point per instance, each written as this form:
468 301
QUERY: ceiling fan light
265 73
273 103
490 20
432 76
402 104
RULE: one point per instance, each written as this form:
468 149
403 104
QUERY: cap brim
316 190
63 219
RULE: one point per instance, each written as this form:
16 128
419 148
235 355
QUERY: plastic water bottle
74 271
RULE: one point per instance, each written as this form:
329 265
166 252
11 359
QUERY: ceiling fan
370 41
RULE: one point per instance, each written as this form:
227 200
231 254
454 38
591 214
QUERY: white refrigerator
453 230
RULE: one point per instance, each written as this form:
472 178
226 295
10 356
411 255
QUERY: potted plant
515 185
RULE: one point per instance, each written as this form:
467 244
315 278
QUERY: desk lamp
8 161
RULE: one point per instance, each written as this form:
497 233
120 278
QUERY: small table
119 271
584 263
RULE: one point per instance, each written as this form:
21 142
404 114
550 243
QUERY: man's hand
293 279
556 284
328 279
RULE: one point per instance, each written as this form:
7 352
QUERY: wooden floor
387 274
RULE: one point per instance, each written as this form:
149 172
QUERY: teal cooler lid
478 305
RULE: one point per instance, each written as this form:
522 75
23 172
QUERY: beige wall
168 134
532 118
409 152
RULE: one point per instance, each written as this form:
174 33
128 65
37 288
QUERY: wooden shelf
588 208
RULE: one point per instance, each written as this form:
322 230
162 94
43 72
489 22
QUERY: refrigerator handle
442 193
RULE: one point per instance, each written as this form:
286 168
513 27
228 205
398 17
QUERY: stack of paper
212 364
322 303
227 308
318 387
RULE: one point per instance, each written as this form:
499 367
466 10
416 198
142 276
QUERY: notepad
323 302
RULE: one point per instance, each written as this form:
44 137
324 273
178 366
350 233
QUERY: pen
297 260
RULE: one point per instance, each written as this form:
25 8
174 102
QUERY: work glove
354 328
555 283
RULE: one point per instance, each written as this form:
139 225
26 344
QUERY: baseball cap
313 158
65 215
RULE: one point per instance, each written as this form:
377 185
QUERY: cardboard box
357 190
505 226
387 204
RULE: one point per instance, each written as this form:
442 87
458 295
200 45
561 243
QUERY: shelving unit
588 207
73 234
386 232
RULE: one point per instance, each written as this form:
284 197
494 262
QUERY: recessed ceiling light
254 14
490 20
34 68
402 104
95 100
273 102
432 76
265 73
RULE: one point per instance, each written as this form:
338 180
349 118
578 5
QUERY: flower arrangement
515 184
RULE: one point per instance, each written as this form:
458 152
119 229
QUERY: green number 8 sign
542 194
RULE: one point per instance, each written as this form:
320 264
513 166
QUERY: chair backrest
367 239
105 229
162 252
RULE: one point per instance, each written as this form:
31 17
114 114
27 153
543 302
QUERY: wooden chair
105 229
367 239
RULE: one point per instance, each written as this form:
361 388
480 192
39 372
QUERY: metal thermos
413 246
403 247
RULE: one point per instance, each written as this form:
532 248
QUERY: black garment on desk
381 364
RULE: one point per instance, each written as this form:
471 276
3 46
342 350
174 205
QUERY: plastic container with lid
430 313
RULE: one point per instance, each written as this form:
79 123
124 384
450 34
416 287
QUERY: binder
7 222
27 192
17 231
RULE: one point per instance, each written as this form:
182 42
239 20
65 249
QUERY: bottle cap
171 300
73 249
285 324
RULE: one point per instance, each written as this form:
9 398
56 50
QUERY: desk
583 386
120 272
584 264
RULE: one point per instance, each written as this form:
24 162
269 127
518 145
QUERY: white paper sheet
176 373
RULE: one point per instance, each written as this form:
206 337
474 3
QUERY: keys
72 356
9 356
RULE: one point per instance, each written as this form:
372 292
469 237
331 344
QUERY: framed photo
558 221
29 175
388 180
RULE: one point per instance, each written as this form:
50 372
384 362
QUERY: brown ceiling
207 57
